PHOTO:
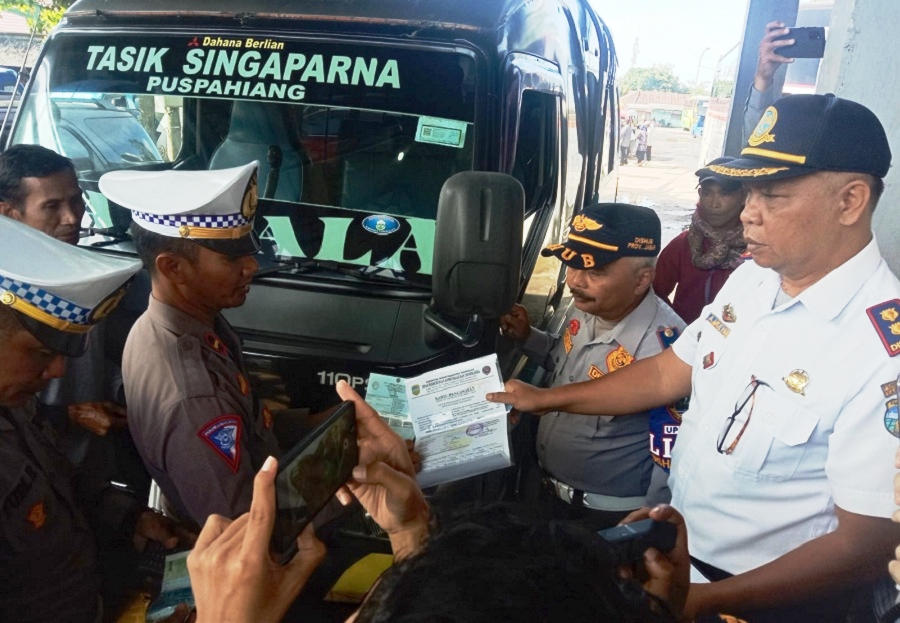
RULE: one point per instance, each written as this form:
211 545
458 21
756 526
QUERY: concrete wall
862 63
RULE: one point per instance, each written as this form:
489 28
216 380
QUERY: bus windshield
354 141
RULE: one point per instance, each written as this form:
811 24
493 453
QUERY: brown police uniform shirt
48 560
194 420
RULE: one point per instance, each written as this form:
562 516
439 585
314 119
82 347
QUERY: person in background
783 462
641 147
761 93
625 137
39 188
52 518
598 468
696 263
483 566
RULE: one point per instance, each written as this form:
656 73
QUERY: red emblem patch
267 417
223 435
885 318
36 516
574 326
212 340
709 360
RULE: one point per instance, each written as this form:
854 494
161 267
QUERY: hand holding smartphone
629 541
310 474
809 42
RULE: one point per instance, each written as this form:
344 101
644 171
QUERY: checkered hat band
46 302
223 221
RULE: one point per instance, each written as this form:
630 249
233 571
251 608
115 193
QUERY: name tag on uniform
718 325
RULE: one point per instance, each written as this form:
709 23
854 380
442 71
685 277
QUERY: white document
458 433
387 395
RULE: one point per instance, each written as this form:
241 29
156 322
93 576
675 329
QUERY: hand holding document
458 433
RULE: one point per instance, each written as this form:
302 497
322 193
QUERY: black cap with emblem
801 134
706 174
604 232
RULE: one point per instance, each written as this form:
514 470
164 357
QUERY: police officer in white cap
51 295
192 415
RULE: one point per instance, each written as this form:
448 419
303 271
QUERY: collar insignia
212 340
36 516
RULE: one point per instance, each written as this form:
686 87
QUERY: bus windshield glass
354 141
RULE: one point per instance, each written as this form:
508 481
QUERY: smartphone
809 42
309 476
629 540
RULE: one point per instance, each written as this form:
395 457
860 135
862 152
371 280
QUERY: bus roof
441 14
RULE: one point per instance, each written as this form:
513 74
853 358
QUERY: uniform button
764 326
769 419
571 378
187 345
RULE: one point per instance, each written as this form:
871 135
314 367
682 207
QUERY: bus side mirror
477 252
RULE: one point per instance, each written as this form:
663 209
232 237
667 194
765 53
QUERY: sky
675 32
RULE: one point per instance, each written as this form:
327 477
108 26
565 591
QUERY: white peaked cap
199 205
60 285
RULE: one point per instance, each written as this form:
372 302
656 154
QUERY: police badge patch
223 435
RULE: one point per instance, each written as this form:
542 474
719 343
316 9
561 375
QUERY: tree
659 77
723 88
42 15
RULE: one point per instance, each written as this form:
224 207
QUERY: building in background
663 107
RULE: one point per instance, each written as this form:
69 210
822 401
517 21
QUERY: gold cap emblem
582 222
249 203
7 298
796 381
763 132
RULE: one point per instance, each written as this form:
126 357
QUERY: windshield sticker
381 224
438 131
269 74
411 250
397 78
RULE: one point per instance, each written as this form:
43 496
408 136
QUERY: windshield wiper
308 266
113 235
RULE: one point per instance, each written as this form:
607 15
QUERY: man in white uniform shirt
783 466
